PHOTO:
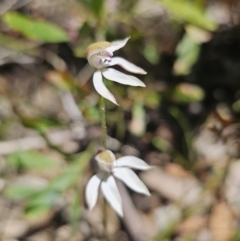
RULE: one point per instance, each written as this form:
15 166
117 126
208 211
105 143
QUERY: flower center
105 157
97 55
105 160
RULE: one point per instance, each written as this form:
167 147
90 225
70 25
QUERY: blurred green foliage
43 199
34 29
30 159
187 93
190 12
187 54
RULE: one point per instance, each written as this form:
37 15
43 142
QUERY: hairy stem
104 143
103 122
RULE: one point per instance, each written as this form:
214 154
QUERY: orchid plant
100 57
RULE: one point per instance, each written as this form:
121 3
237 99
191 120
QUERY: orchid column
100 56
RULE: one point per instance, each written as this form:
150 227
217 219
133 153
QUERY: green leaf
42 31
30 160
91 113
152 99
65 180
40 124
36 211
73 173
187 51
47 198
162 144
42 202
75 209
151 53
21 191
187 93
189 12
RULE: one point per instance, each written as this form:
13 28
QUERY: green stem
104 143
103 122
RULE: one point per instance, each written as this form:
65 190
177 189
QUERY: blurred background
185 122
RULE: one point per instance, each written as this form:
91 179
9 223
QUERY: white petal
121 78
111 193
101 88
126 65
132 162
131 180
115 45
92 191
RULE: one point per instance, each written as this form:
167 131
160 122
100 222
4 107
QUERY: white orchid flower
100 57
111 169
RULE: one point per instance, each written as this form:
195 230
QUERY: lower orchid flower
111 169
100 57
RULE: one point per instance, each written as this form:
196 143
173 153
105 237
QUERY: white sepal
112 195
127 176
115 45
101 88
92 191
121 78
132 162
126 65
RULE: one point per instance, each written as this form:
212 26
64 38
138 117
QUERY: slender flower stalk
104 143
100 57
103 121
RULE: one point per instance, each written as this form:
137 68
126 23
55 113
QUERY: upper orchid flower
110 168
100 56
